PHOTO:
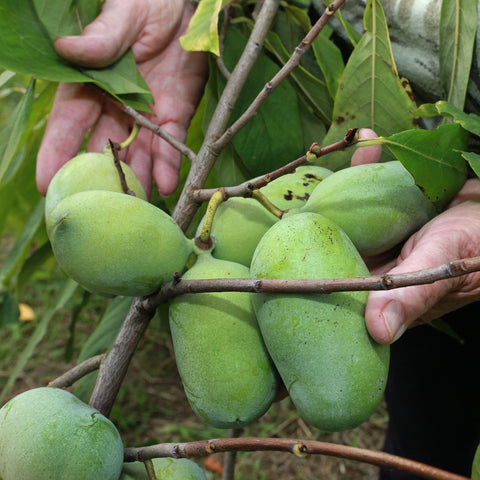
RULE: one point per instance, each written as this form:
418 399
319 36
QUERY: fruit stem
150 470
260 197
215 200
131 137
115 147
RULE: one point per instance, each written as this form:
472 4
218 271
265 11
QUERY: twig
289 66
452 269
115 147
230 457
299 448
143 121
71 376
245 189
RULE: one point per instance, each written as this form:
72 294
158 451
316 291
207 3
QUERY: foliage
322 98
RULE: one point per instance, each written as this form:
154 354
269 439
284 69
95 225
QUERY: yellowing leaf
202 33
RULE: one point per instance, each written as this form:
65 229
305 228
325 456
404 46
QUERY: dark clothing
433 395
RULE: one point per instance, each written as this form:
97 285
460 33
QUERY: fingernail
394 318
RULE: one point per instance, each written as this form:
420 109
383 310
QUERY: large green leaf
202 33
274 136
370 94
476 465
457 30
434 158
13 130
27 48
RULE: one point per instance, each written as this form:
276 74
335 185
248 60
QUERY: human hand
176 78
452 235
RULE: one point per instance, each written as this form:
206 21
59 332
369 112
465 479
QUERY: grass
151 406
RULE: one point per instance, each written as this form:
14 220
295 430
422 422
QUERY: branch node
300 450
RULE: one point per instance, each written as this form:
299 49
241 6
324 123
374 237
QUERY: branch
71 376
300 448
115 365
277 285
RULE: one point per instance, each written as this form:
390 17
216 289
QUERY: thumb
109 36
389 313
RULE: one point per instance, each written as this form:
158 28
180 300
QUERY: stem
115 147
299 448
215 200
261 198
131 137
150 470
230 457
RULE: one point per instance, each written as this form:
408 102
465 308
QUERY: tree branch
78 371
277 285
300 448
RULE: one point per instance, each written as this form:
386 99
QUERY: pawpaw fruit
294 189
333 370
227 374
90 171
237 227
49 434
378 205
116 244
165 469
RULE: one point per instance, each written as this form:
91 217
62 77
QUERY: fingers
390 313
370 154
75 109
108 36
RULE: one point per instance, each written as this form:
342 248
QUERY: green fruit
165 469
225 369
238 225
333 370
294 189
378 205
476 465
90 171
49 434
115 244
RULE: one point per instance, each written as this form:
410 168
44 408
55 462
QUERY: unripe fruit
90 171
378 205
49 434
225 369
116 244
333 370
294 189
165 469
238 225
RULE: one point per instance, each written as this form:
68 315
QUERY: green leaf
457 30
28 49
202 33
22 246
9 312
311 88
434 158
274 136
469 121
63 296
13 130
473 160
370 94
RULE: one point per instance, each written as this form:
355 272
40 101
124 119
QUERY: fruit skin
237 227
165 469
90 171
49 434
378 205
115 244
227 374
333 370
294 189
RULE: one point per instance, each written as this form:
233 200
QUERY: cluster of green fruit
49 434
233 348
